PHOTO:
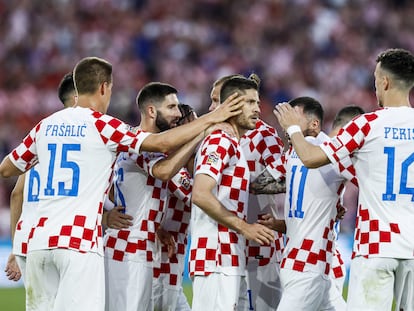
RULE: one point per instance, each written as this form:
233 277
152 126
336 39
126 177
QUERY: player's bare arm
16 201
266 184
311 155
171 139
8 169
203 197
165 169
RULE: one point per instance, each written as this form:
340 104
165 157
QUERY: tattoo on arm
266 184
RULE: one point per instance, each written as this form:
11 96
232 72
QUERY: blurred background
325 49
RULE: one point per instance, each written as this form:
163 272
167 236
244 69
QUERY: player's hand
167 239
340 213
230 108
269 221
116 219
258 233
286 115
12 269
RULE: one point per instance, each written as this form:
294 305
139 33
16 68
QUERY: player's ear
386 82
151 111
102 88
315 123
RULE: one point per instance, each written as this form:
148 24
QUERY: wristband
293 129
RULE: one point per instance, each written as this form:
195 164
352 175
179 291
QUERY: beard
161 123
246 124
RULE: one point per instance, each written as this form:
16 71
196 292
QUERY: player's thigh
182 303
267 291
128 285
302 290
82 275
164 294
371 283
334 300
404 285
42 280
216 292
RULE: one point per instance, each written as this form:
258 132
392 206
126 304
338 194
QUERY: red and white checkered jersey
143 197
338 266
261 147
383 156
176 221
28 216
76 149
214 247
311 202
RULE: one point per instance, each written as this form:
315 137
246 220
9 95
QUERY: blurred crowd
321 48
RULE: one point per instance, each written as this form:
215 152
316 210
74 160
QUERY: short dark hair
66 88
255 77
237 84
186 112
400 63
346 114
252 76
90 73
309 105
154 92
221 80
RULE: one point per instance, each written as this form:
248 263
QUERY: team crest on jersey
185 181
133 129
213 158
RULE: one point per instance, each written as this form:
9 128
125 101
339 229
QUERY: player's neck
87 101
148 126
236 129
396 99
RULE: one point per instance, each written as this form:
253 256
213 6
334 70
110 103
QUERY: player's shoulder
265 129
219 136
221 141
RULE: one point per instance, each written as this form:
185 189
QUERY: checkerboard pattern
370 234
115 132
213 246
24 155
118 248
353 136
262 147
20 239
203 257
75 236
311 253
234 179
338 265
156 212
145 198
176 221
